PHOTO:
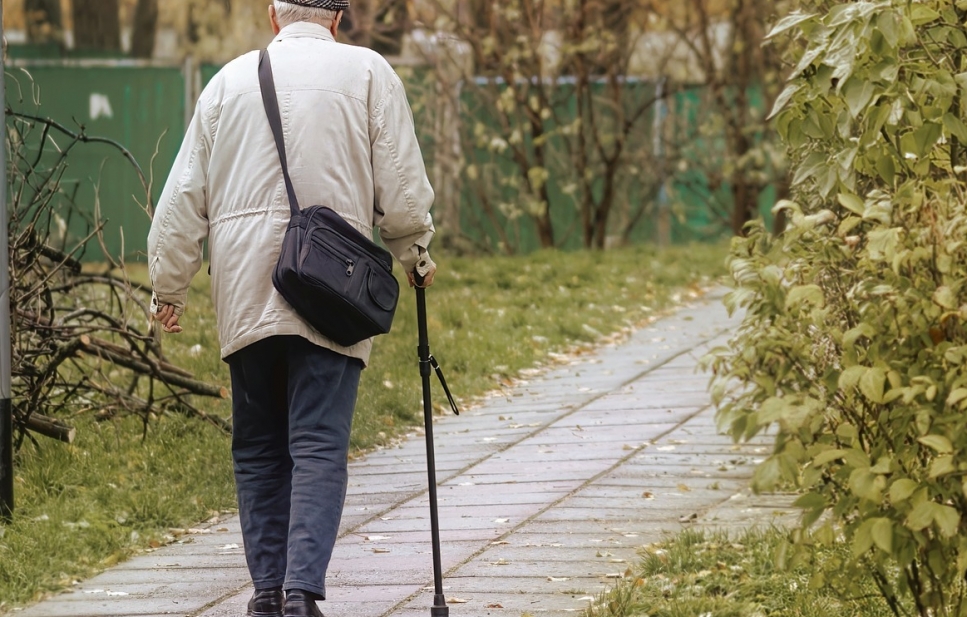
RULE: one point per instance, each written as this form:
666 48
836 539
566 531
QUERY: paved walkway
546 491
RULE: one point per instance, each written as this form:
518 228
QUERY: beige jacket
350 144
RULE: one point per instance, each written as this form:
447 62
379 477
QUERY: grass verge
706 574
82 508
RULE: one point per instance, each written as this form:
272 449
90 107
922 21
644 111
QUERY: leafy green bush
854 344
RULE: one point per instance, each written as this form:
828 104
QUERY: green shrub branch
853 344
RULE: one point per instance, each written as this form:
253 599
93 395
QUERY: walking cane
439 608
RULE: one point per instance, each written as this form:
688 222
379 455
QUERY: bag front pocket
383 289
325 267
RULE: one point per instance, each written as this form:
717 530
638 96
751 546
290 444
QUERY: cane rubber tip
440 611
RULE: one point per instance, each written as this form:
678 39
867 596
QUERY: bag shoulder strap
271 103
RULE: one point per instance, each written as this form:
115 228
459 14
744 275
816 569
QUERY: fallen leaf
684 488
648 495
495 606
556 579
456 601
688 518
499 543
500 562
380 550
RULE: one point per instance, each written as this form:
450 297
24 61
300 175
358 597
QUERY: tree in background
377 24
43 20
741 78
558 131
97 24
145 28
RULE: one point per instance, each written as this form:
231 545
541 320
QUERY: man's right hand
427 279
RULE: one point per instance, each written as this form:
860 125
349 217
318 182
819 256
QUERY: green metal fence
143 105
139 105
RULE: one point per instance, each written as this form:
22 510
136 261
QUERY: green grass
710 574
83 507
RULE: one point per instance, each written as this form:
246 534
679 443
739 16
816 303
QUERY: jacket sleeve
402 189
180 223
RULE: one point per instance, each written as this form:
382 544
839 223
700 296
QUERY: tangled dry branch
82 339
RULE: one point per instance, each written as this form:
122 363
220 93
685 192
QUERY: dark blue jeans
292 407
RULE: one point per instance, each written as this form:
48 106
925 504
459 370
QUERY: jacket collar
303 29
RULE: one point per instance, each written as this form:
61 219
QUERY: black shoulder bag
335 278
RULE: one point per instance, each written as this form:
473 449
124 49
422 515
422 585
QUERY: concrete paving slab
528 537
537 584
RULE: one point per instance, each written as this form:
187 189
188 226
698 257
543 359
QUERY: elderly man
351 146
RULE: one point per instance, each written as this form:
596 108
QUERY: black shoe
300 603
266 603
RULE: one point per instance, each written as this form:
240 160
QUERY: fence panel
143 106
139 105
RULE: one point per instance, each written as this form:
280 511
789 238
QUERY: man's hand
168 319
427 279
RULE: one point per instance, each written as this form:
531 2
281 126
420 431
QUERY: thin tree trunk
44 21
145 28
390 22
545 229
97 25
604 207
782 192
357 23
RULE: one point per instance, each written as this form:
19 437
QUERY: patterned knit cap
332 5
